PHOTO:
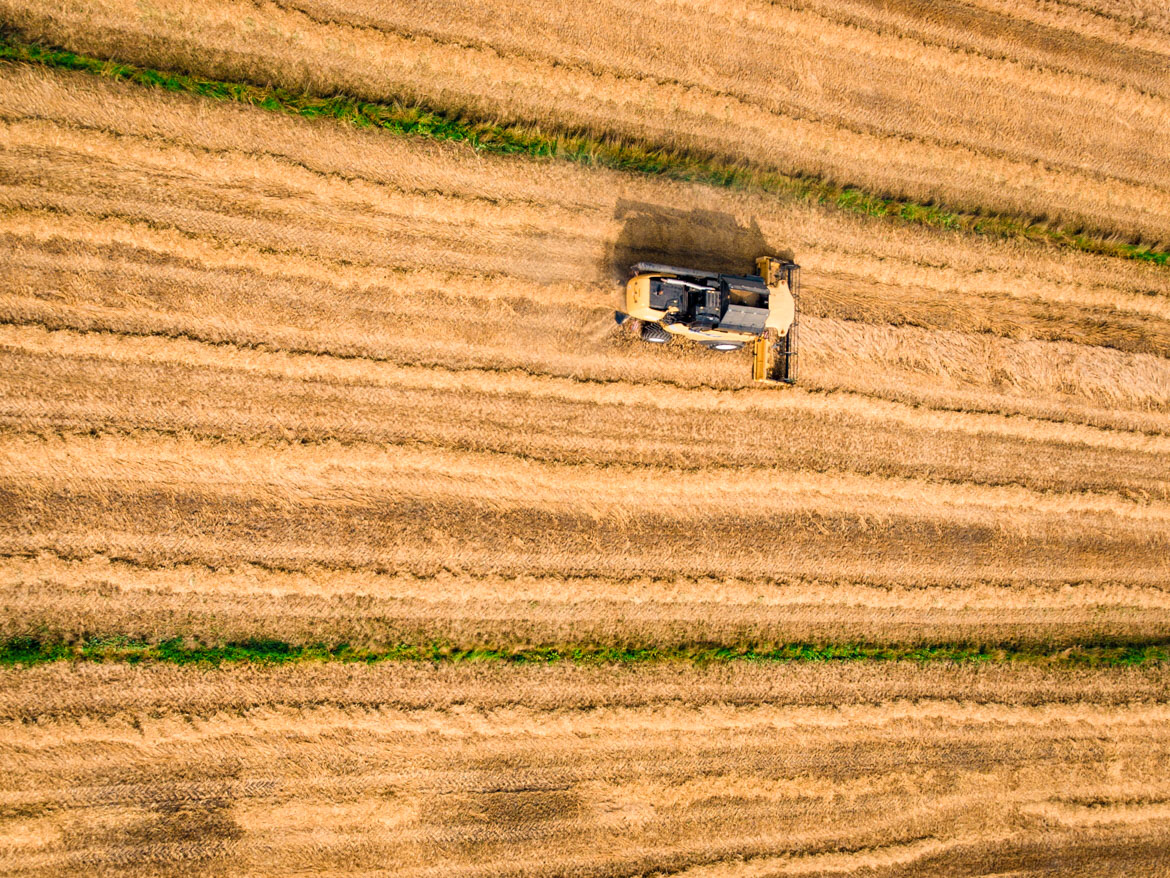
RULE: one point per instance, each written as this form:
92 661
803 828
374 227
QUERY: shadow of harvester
705 239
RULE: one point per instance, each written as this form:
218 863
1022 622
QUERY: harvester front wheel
654 333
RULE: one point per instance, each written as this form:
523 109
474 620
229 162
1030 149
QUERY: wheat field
293 384
812 770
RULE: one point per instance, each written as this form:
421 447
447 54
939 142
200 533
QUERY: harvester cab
725 312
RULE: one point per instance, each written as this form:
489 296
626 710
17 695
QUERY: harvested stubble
250 343
480 770
1007 111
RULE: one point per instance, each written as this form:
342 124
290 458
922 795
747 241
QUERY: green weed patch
520 139
27 651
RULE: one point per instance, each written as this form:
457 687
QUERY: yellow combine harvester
725 312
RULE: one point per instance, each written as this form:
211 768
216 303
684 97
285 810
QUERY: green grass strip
27 651
520 139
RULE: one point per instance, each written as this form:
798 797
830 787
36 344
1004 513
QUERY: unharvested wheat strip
528 87
184 352
973 360
884 270
247 580
337 472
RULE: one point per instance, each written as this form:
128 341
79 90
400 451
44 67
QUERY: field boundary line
620 154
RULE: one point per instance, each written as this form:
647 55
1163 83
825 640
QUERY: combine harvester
725 312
